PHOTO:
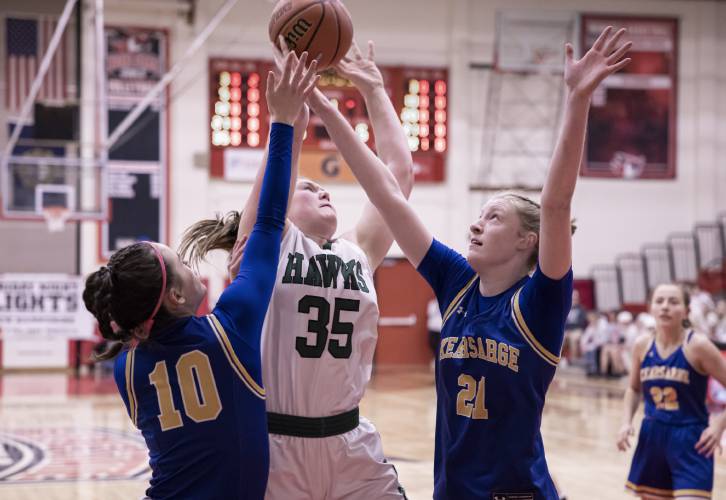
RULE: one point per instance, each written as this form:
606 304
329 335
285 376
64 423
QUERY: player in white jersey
321 327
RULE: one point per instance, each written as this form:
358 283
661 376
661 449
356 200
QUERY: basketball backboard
532 41
33 184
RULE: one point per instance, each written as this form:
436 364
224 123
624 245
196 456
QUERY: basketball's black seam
337 26
301 9
320 23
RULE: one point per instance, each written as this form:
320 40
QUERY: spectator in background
575 325
701 305
711 322
592 341
645 323
629 331
611 352
625 324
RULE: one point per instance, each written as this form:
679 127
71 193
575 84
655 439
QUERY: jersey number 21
470 400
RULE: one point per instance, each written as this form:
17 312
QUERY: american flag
26 44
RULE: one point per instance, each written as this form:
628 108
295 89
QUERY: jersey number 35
340 347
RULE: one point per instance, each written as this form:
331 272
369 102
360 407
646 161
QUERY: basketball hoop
56 217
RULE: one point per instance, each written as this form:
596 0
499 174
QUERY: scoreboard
238 109
238 120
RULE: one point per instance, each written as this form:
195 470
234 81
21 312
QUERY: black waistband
312 427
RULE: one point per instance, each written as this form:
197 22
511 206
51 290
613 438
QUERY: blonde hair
206 235
530 214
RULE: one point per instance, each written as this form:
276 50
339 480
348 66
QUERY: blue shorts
666 464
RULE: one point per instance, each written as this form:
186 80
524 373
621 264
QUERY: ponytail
97 298
206 235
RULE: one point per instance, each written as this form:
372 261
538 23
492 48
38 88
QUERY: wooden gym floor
68 438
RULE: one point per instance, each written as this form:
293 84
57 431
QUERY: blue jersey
196 394
665 462
194 389
674 392
497 356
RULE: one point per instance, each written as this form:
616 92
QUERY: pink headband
145 327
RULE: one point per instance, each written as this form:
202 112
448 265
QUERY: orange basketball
320 27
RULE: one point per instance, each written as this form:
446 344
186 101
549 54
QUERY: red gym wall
402 292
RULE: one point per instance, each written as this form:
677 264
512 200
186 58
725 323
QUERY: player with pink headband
193 385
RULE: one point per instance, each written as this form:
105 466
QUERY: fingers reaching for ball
288 88
360 69
279 52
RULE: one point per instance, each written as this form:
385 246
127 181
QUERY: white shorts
349 466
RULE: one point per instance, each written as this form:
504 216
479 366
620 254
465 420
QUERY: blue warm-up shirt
497 356
195 388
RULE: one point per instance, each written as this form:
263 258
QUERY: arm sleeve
244 302
447 272
540 311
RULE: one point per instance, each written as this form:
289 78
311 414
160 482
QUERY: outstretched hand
279 53
288 88
604 58
361 70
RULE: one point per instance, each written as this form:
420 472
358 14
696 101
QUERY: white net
55 218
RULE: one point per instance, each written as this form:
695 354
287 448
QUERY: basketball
320 27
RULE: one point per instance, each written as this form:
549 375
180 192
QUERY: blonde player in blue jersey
503 329
193 385
674 456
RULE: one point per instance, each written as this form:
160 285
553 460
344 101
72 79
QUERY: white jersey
320 331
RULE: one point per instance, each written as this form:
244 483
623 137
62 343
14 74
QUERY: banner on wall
136 60
632 126
39 314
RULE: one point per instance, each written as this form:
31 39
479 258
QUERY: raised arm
377 181
245 300
371 232
249 213
582 78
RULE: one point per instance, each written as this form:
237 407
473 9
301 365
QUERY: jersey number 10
338 348
198 407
